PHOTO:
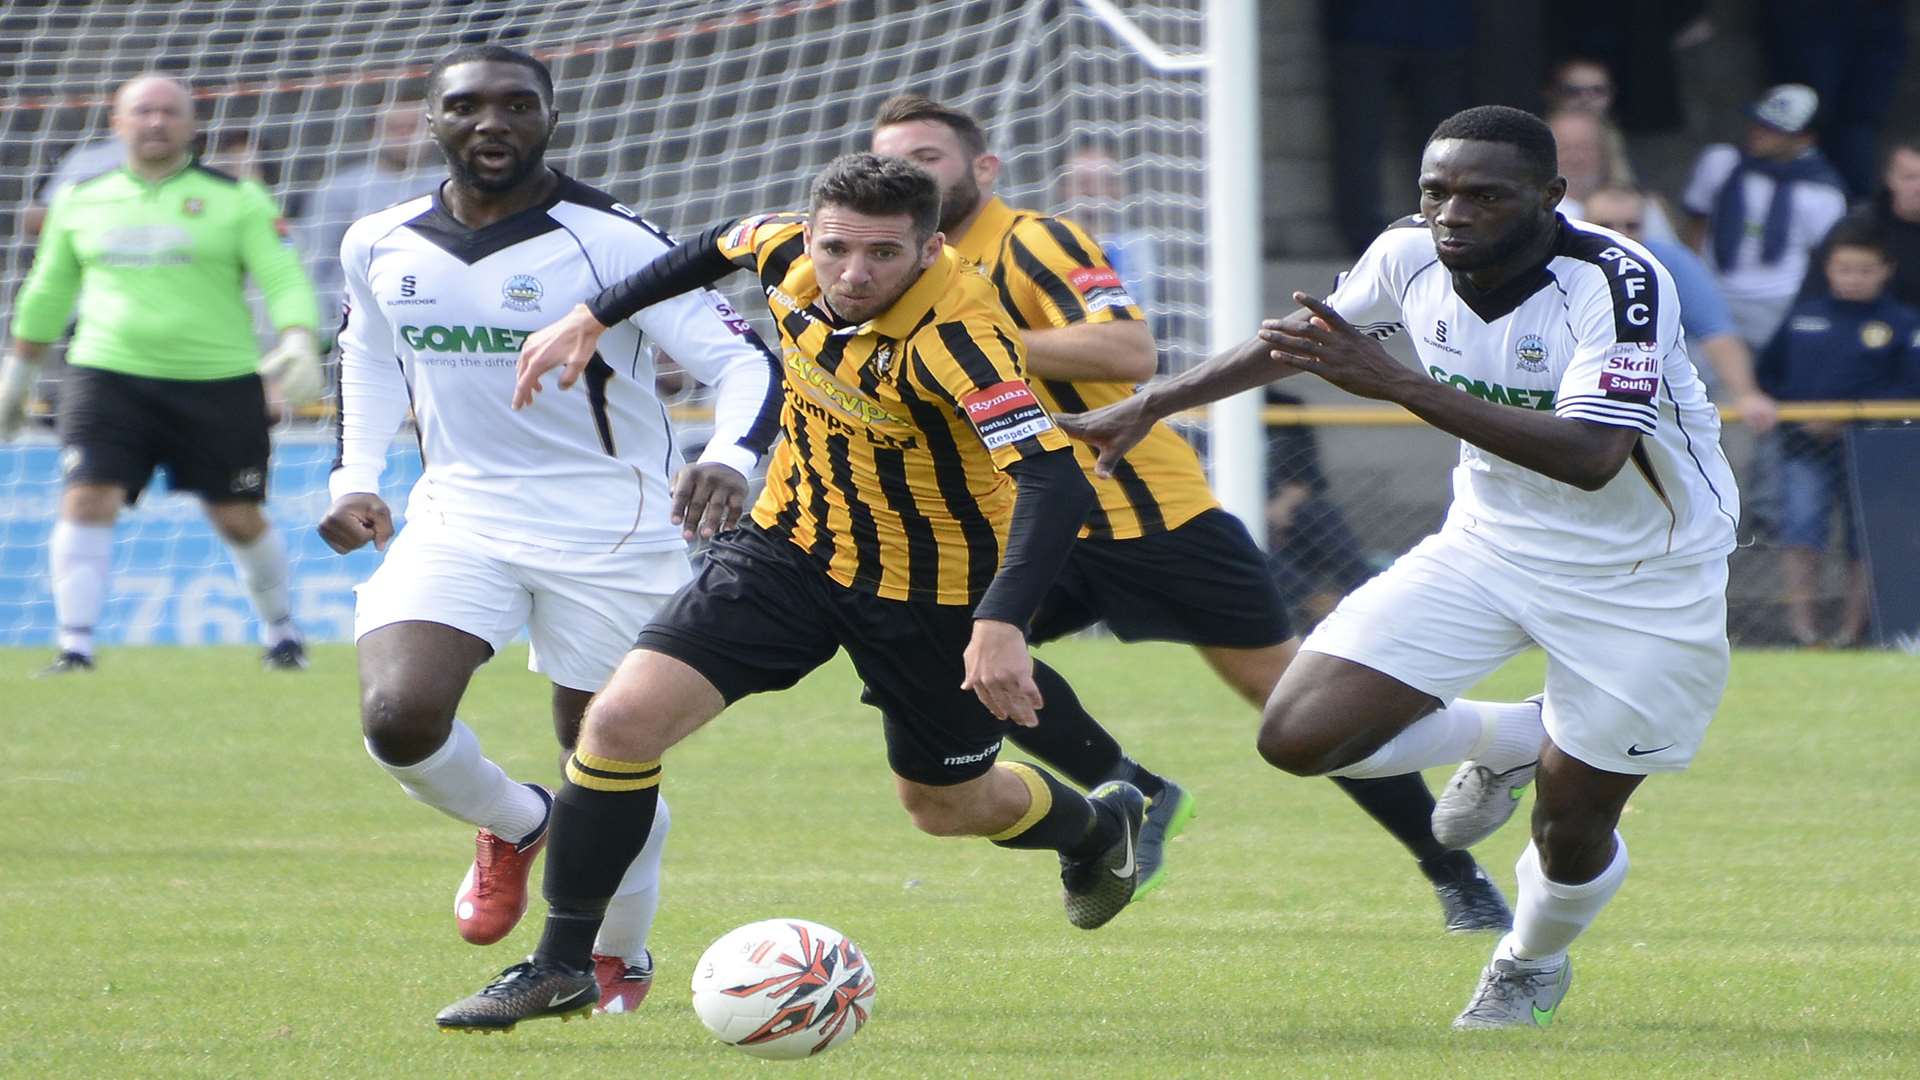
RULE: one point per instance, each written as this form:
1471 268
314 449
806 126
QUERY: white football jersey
436 314
1594 335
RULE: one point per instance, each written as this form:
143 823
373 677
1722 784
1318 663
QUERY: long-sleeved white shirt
436 314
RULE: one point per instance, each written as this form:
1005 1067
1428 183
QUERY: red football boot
623 986
493 895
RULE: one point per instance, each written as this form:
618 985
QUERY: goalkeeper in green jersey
165 370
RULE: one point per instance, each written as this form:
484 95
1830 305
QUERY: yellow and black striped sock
1058 818
601 817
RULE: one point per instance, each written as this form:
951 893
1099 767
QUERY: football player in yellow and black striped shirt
1159 559
889 527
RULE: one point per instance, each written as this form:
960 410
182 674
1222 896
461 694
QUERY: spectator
1313 555
395 172
1092 191
1853 342
235 153
83 162
1761 210
1588 161
1895 214
1703 314
1375 49
1582 85
1850 52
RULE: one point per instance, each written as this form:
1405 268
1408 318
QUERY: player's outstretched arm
1569 450
1119 427
568 344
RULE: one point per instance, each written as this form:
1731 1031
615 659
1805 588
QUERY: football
783 988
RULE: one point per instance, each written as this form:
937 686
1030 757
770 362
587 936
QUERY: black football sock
601 817
1071 740
1058 818
1402 805
1449 866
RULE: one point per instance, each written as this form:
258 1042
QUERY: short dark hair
1910 142
909 108
494 54
880 186
1859 232
1517 128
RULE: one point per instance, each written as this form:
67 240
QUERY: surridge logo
1440 331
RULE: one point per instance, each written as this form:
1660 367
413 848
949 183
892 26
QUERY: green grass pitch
205 876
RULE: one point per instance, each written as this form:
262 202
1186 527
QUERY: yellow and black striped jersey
897 429
1049 273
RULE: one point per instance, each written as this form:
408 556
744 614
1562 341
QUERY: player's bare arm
354 519
567 345
1576 452
1119 427
1118 351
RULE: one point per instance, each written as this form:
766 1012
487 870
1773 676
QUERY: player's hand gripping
1112 430
1000 671
567 345
1331 348
708 497
354 519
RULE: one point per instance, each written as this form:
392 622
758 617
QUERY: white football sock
263 570
1444 736
1514 733
1548 915
461 783
629 919
81 558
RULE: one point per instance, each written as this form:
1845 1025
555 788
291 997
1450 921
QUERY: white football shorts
1636 663
581 610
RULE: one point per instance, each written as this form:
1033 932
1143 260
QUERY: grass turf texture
207 877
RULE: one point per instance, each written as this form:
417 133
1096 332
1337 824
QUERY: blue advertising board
1886 479
173 582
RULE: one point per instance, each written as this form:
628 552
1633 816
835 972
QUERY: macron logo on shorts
1006 412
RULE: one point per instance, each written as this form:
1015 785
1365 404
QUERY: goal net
688 111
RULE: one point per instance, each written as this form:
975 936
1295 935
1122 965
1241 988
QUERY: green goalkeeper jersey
159 269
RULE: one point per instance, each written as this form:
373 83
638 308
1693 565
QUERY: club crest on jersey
1875 334
522 292
883 358
1530 354
193 207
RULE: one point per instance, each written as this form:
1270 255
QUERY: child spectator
1855 342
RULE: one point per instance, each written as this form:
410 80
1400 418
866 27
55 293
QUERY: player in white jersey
558 518
1593 512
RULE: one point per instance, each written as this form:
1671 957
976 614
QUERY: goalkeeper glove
16 386
294 367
